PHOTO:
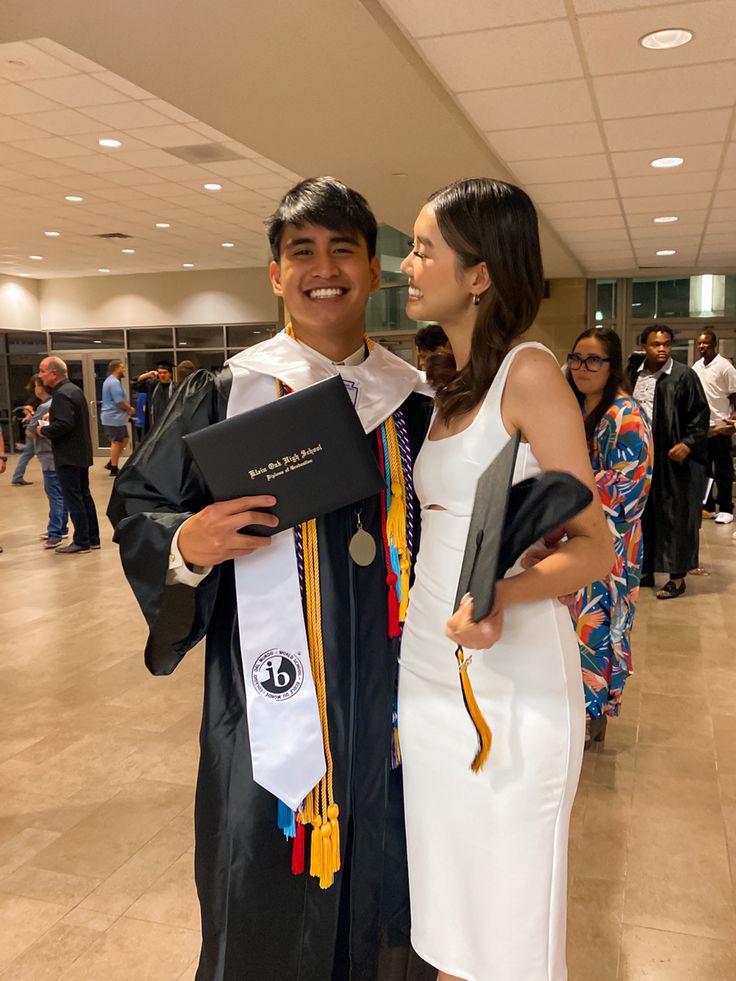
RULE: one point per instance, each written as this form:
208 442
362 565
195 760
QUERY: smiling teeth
413 291
325 294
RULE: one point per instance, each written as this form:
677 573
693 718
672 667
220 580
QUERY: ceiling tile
75 91
572 191
212 135
666 204
713 23
589 167
63 54
572 209
21 61
728 180
546 141
12 129
134 177
61 122
424 18
724 199
145 158
171 112
646 220
170 135
90 140
127 115
51 146
637 163
668 129
648 93
46 168
674 184
15 99
488 59
121 85
583 222
604 6
719 215
95 163
235 168
523 106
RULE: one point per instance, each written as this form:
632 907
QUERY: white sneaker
724 518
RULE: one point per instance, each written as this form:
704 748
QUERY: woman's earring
476 299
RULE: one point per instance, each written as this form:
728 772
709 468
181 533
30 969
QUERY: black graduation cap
506 520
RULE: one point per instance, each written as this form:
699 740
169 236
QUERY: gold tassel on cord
485 736
396 518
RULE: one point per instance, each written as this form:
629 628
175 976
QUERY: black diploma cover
506 520
308 449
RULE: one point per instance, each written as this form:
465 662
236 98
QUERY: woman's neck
460 336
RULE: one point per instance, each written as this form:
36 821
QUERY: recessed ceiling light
399 173
188 265
73 197
668 162
24 274
103 270
52 234
228 245
36 257
162 224
666 252
666 219
670 37
212 187
97 342
128 251
110 144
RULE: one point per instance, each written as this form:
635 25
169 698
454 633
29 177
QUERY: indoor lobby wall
19 303
153 299
562 316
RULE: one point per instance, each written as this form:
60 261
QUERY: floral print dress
603 613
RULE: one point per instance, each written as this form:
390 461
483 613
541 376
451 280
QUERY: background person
3 459
718 377
18 478
115 413
183 370
673 399
158 386
69 435
57 526
620 446
427 340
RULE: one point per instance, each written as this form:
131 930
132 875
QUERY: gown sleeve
158 489
623 461
697 417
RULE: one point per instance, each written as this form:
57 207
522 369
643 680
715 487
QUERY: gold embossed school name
286 464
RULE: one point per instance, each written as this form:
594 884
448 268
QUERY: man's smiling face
325 278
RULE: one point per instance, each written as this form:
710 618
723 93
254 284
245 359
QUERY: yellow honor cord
485 736
396 518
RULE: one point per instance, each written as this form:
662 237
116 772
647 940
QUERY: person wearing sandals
620 444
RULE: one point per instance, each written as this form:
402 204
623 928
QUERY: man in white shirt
718 378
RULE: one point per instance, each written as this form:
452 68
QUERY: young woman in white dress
488 850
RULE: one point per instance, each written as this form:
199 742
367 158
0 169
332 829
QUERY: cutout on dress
435 507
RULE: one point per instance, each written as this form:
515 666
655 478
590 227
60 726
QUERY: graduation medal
362 547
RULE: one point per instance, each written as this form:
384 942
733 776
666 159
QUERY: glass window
644 298
27 342
387 310
82 340
673 298
605 299
204 335
150 338
246 335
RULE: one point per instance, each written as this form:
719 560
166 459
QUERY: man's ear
375 274
274 274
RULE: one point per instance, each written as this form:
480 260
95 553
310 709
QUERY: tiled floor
97 765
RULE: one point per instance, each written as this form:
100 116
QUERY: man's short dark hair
709 333
326 202
656 329
112 365
430 338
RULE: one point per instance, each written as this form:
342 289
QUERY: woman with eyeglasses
620 445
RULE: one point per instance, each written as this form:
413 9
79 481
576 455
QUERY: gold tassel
327 872
315 848
396 518
333 812
485 736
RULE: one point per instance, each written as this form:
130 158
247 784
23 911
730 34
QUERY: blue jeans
25 458
75 485
58 514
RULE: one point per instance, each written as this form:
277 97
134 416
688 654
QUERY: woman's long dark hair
617 377
489 221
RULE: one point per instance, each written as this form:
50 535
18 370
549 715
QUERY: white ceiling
396 97
576 109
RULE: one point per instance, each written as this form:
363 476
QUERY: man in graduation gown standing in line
340 583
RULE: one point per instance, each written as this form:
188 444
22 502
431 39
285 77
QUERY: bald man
69 435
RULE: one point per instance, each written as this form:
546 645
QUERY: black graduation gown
671 519
158 397
260 922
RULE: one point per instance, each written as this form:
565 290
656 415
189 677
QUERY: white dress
487 851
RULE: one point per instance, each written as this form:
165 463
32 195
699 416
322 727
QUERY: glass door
88 370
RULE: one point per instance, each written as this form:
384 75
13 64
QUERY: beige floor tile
133 950
57 948
24 846
172 899
59 888
656 955
22 922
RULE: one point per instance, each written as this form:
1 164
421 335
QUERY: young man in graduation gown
672 397
195 576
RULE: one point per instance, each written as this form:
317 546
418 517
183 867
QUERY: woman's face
438 289
588 381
